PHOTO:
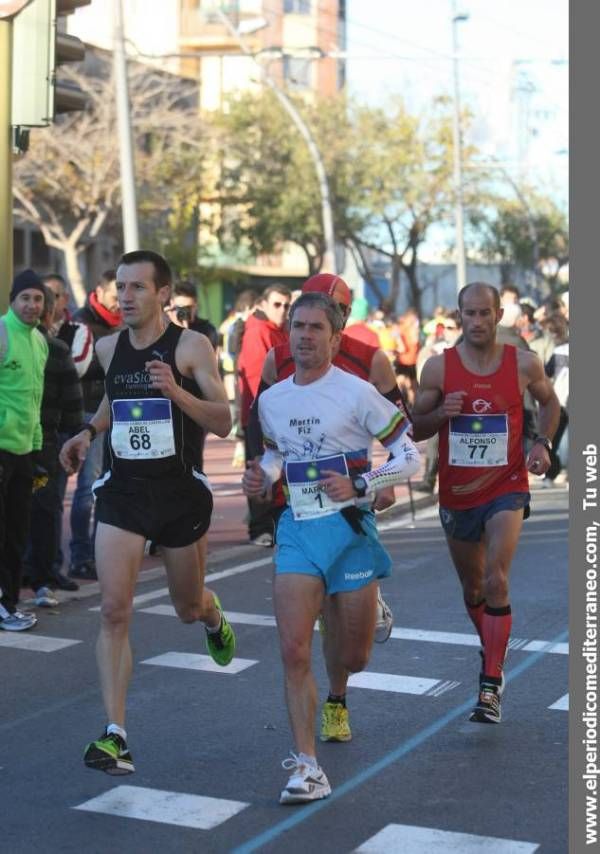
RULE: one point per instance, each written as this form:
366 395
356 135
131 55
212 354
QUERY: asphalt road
417 777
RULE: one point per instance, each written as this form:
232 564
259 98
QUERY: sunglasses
286 305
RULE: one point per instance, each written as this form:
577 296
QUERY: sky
513 72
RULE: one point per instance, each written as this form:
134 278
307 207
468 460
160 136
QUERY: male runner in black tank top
162 388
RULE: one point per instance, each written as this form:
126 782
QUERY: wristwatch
545 441
360 486
91 430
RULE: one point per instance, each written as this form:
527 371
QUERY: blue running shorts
469 525
329 549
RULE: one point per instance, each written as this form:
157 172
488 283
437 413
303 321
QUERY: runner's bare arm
254 437
269 371
74 451
533 375
382 374
431 410
196 358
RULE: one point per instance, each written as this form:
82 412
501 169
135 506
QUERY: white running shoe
16 622
385 619
44 598
306 783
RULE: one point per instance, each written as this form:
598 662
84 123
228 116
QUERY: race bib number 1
142 429
478 440
305 484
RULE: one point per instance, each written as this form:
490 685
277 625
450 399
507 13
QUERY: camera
183 313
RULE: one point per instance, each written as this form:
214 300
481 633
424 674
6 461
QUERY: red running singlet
481 450
354 357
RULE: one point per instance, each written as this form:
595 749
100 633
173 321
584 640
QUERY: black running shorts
172 512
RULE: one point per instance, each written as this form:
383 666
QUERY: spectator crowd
51 383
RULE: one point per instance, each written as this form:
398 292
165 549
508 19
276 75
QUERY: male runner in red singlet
371 364
472 394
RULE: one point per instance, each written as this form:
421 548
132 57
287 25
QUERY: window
296 71
296 7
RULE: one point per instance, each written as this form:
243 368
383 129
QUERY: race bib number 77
478 440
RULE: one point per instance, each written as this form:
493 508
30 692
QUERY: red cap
330 284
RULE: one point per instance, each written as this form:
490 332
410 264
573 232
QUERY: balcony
203 29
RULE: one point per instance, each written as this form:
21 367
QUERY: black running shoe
487 710
110 754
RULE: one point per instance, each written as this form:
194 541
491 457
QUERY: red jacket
259 336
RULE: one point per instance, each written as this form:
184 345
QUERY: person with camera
183 310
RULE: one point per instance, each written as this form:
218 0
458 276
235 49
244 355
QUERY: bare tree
68 183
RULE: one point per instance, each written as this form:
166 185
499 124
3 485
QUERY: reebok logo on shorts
356 576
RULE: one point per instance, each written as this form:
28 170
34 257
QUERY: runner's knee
115 613
497 585
295 654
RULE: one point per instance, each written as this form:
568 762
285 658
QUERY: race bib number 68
142 429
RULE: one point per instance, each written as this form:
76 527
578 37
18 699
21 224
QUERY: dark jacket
62 401
200 324
92 382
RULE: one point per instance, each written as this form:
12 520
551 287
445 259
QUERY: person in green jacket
23 355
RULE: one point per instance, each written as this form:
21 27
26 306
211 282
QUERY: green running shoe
335 723
221 644
110 753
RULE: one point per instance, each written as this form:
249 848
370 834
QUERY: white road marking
193 661
214 576
232 616
196 811
398 633
435 637
392 682
561 705
429 840
35 642
538 646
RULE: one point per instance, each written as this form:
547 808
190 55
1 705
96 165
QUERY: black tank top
150 437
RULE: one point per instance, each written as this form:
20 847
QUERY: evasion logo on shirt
13 365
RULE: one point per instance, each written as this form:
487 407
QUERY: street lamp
329 259
461 267
128 200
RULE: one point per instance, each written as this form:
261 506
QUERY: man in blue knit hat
23 355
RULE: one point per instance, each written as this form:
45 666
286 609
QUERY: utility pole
8 10
128 200
6 221
329 259
461 267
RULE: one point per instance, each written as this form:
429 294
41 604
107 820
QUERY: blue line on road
302 813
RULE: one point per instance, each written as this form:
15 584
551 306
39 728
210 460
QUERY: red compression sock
496 624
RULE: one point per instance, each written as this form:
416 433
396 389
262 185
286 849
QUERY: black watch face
360 484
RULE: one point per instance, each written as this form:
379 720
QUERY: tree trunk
71 259
413 281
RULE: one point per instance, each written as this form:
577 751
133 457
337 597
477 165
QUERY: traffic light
68 97
40 46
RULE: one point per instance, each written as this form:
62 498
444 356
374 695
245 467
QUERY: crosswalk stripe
392 682
538 646
429 840
193 661
35 642
399 632
195 811
232 616
562 705
213 576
